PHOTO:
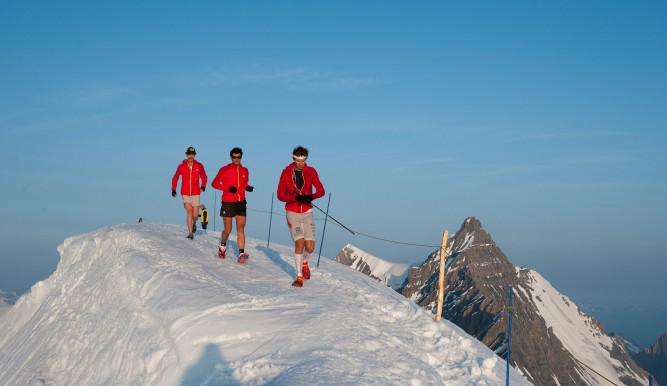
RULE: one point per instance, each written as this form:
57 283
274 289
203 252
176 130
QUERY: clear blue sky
545 120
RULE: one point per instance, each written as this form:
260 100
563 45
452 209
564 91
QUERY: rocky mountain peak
477 280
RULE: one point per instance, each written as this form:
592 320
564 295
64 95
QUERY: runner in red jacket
233 179
192 172
295 188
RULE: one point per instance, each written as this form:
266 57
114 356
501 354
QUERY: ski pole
323 231
329 216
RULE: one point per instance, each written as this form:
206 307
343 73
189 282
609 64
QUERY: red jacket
190 185
232 175
287 190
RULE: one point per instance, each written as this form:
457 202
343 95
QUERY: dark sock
240 250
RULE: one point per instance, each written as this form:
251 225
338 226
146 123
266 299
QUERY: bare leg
227 221
188 219
240 231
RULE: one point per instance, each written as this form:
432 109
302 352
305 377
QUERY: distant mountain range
553 341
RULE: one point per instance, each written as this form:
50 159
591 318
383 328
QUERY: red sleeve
204 178
319 188
174 180
284 194
217 181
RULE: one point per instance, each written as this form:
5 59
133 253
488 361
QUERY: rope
593 370
354 232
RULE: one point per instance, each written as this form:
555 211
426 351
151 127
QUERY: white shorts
301 225
192 200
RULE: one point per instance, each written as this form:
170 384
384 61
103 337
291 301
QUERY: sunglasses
237 156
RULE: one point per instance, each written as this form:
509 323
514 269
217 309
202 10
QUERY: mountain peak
476 298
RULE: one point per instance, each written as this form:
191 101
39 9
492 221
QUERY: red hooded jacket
287 190
190 185
232 175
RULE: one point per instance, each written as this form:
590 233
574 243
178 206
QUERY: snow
392 274
576 330
139 304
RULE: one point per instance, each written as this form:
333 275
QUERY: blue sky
545 120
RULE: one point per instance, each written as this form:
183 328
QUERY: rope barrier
354 232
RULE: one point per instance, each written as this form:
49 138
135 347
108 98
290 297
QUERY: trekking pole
324 229
215 207
327 214
268 239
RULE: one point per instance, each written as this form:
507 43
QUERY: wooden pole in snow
441 279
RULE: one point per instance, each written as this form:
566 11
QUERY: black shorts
233 209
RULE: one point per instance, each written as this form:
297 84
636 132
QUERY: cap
190 150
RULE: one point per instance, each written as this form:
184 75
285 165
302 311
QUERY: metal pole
509 340
268 239
326 217
650 380
215 208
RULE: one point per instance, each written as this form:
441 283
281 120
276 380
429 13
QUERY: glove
203 188
249 188
173 193
232 189
307 198
299 198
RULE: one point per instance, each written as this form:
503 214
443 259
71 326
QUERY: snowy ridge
391 274
580 334
139 304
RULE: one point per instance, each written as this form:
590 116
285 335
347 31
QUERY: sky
545 120
149 309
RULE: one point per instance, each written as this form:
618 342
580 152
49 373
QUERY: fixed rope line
338 224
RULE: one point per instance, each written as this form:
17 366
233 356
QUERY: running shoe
298 282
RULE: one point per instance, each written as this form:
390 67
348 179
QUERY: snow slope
139 304
581 335
391 274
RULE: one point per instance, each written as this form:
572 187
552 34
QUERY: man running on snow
192 172
295 188
233 179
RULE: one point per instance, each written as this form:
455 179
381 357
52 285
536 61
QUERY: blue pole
650 380
268 239
326 217
509 340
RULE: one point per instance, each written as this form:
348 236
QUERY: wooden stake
441 279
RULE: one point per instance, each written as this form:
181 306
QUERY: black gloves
304 198
203 188
173 193
232 189
249 188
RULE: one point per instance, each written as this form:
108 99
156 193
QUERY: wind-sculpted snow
140 304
